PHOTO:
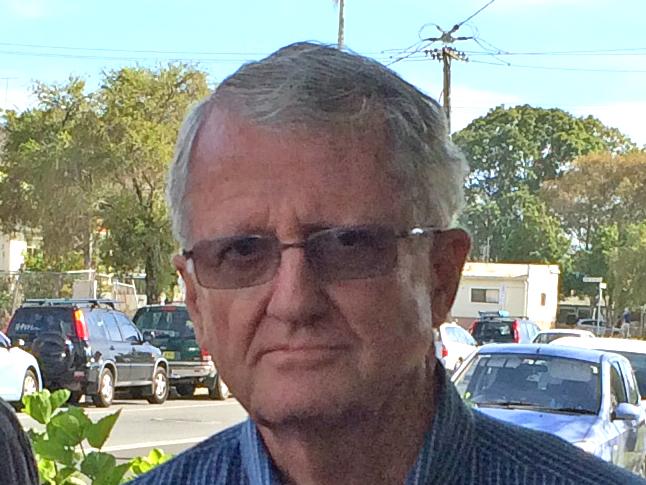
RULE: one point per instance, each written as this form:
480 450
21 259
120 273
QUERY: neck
376 447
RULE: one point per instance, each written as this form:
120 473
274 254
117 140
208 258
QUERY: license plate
169 354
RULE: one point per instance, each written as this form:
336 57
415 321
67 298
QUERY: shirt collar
448 440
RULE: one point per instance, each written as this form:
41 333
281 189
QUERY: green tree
51 179
141 113
597 190
512 152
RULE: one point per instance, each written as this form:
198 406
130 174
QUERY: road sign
592 279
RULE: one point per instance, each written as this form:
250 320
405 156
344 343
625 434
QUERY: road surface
174 426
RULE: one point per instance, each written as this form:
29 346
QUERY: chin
310 406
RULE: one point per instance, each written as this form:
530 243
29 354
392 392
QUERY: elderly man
313 194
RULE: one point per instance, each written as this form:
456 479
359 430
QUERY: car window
95 321
28 323
172 322
453 334
493 331
638 363
111 326
465 337
544 382
617 389
629 379
128 330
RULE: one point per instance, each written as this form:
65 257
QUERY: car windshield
638 363
165 322
499 331
546 338
29 323
520 381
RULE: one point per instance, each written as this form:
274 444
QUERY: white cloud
468 104
15 98
27 8
627 116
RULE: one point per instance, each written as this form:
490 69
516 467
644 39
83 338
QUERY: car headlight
587 446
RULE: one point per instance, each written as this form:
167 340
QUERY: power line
556 68
135 51
632 51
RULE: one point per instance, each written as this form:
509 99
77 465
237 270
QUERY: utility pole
341 32
446 55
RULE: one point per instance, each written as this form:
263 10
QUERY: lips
303 353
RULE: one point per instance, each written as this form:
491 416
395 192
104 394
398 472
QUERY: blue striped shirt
461 446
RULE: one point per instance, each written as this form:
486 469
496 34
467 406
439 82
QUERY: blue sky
607 80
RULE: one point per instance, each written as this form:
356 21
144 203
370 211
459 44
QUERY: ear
184 267
448 255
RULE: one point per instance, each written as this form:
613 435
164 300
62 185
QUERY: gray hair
319 86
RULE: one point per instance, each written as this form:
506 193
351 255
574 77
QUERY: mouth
304 355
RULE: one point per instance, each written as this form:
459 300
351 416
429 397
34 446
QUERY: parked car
548 336
499 327
172 331
90 348
19 372
633 350
453 345
599 328
587 397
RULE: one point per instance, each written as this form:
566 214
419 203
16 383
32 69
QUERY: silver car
587 397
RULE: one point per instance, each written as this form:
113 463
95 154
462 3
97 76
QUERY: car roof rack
94 302
494 314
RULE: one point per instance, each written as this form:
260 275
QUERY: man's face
296 346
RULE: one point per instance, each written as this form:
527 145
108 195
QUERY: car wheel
103 398
185 389
29 383
29 386
160 387
220 390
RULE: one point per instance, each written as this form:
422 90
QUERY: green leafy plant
68 451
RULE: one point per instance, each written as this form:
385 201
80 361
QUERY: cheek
228 323
384 315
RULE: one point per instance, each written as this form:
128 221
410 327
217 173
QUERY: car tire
219 391
160 387
185 390
29 386
105 393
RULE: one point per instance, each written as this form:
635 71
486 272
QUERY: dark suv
499 327
172 331
90 348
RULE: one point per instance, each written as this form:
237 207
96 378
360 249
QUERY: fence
15 287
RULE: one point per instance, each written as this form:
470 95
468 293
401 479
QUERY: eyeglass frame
413 232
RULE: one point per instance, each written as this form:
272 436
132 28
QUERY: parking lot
173 426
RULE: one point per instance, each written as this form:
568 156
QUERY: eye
244 248
356 237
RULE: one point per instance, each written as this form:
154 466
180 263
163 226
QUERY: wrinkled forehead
237 161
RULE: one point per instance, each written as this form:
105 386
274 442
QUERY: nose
297 295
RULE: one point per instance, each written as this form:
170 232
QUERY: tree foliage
512 153
86 171
49 171
597 190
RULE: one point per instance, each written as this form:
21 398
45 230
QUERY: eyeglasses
341 253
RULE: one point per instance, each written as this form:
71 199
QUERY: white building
12 253
524 290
